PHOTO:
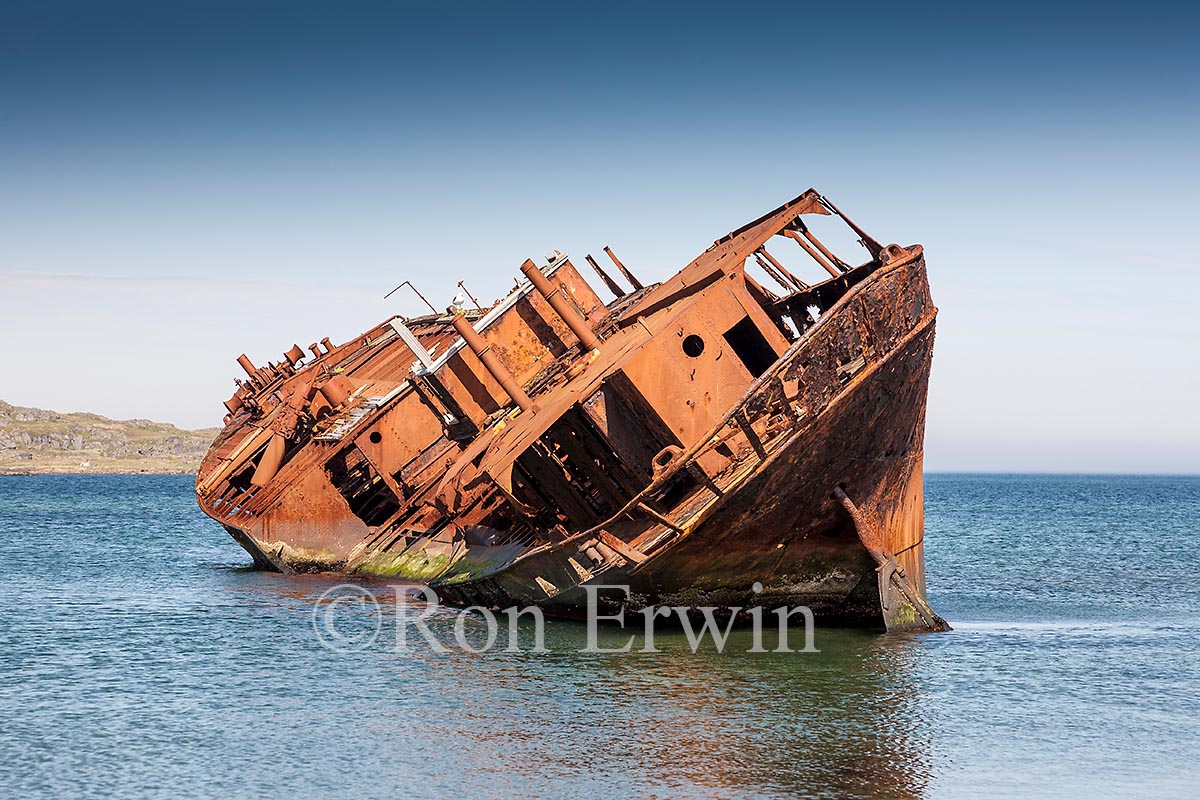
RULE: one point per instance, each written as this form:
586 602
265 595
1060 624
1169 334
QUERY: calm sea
140 657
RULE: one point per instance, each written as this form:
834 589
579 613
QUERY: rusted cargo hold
689 439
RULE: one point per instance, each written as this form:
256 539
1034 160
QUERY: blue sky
180 183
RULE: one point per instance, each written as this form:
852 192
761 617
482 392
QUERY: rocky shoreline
35 441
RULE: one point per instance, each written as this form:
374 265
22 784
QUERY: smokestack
558 301
491 363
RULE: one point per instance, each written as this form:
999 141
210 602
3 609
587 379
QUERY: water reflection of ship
841 723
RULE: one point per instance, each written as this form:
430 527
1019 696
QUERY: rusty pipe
483 350
782 269
247 364
808 248
557 299
775 276
634 282
763 256
612 285
837 262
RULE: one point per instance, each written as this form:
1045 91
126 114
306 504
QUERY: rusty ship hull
705 441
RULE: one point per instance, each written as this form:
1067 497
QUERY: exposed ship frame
688 439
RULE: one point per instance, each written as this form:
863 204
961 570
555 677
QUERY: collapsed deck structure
689 439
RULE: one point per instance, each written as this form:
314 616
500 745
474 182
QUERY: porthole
376 437
693 346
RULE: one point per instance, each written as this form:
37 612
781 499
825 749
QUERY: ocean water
141 657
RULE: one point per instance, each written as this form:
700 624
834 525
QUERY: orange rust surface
639 422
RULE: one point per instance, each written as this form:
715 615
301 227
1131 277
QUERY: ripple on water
142 657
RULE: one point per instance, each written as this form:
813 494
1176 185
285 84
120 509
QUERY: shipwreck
706 441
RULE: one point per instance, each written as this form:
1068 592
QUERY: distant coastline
31 472
36 441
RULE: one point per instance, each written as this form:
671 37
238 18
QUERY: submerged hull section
704 442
